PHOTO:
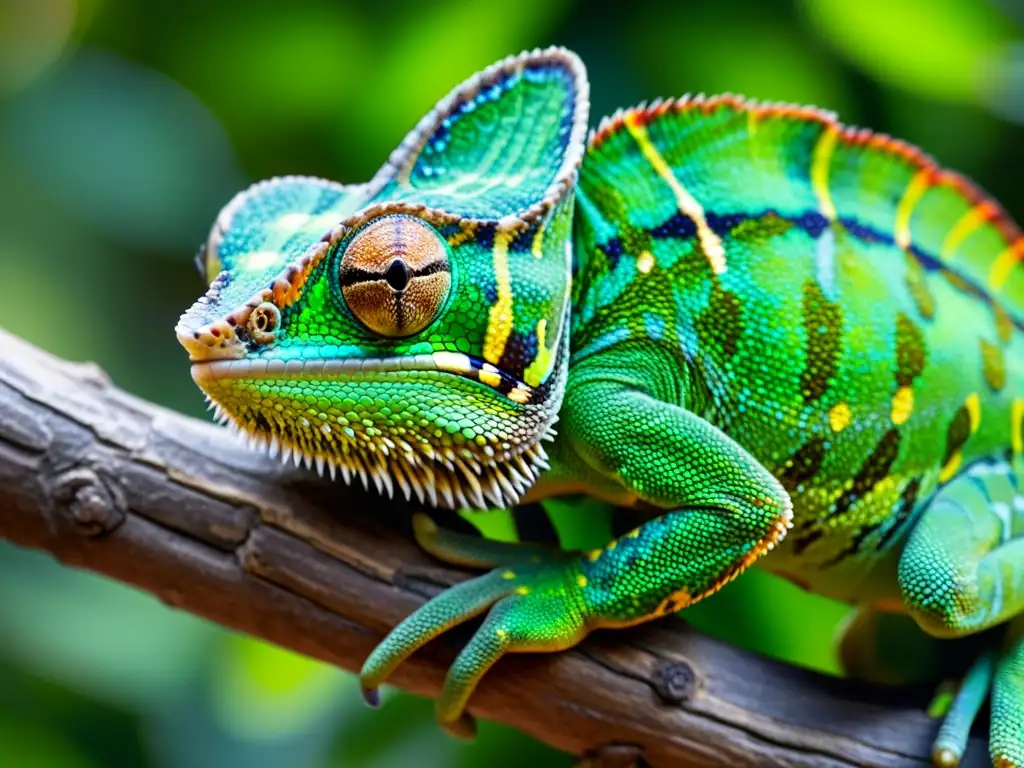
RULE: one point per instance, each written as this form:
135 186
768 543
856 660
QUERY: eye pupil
397 275
394 275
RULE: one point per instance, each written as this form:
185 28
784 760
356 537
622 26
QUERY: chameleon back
830 298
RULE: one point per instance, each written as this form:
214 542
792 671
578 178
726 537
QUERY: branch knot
92 506
675 681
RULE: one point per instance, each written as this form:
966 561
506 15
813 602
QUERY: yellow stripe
710 242
499 319
537 370
1002 265
973 406
918 185
969 222
950 469
537 247
820 165
1016 419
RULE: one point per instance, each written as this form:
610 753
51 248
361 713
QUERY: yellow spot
902 405
645 263
508 575
951 467
973 406
538 369
259 260
490 378
633 534
839 417
581 581
499 319
710 243
820 166
522 590
593 554
1003 264
519 395
1016 420
612 545
918 186
969 222
537 247
501 634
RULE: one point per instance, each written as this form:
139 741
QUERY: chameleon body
759 328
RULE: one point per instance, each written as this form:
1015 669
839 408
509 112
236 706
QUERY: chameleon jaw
440 473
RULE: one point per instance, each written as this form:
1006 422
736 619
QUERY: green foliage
125 125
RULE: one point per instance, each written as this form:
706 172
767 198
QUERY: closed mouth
320 368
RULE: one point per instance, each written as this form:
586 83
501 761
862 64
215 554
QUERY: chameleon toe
474 551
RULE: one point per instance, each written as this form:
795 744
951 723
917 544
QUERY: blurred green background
123 128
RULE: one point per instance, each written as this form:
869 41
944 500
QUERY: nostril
212 342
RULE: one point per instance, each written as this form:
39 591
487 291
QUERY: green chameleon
759 328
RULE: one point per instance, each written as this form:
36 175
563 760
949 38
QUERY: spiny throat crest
450 476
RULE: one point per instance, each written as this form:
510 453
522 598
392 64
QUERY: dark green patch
805 540
889 526
823 330
803 465
904 509
1004 324
761 229
918 288
993 365
721 322
957 434
911 353
874 470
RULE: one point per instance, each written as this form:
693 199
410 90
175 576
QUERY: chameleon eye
395 275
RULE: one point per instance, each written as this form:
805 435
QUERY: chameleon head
411 331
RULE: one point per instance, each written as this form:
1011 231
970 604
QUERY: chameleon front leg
723 510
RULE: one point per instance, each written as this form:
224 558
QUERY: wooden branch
181 509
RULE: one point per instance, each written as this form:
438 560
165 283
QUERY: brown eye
395 275
263 322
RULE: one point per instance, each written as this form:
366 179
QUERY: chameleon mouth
443 362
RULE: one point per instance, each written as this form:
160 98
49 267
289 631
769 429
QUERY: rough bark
181 509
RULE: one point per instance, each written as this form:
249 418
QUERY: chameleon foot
949 746
534 606
1007 739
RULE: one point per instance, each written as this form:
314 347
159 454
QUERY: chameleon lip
444 362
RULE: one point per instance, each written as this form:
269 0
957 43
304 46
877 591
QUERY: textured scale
758 329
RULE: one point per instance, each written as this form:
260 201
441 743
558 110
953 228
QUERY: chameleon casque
760 328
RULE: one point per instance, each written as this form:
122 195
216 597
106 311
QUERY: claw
371 696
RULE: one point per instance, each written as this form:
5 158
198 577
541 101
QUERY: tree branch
181 509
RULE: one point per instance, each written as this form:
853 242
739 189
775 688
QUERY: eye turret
395 275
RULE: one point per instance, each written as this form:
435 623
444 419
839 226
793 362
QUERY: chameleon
775 338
